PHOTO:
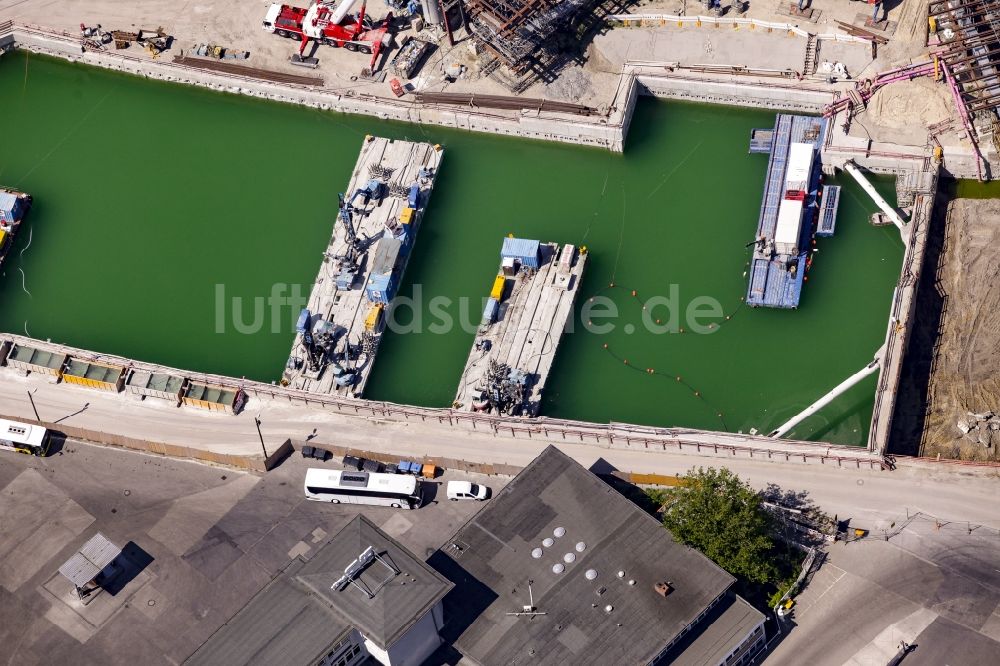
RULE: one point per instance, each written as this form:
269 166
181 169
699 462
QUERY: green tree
721 515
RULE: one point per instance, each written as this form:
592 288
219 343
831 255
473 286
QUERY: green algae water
162 212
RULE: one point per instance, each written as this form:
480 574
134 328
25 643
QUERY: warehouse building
558 568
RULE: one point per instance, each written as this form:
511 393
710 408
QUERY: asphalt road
870 499
935 586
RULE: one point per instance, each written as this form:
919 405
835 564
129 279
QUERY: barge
789 211
527 312
338 333
14 205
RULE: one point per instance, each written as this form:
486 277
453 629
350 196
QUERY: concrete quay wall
604 132
764 95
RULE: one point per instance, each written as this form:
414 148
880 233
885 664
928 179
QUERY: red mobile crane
326 24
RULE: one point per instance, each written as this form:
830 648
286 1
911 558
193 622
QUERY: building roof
723 630
92 558
513 540
297 617
284 623
397 605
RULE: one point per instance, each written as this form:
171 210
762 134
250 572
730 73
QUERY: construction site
908 89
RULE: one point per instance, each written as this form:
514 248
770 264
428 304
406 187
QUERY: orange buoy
626 361
633 292
605 345
697 393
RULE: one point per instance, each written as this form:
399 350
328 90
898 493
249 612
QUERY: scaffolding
519 35
969 32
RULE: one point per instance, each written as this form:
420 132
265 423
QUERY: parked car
464 490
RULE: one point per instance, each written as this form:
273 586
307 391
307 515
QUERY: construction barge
14 205
528 309
337 335
794 209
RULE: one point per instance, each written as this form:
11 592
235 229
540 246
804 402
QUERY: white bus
349 487
24 438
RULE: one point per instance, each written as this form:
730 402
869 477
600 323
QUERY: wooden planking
531 324
349 309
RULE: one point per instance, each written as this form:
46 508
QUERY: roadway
871 499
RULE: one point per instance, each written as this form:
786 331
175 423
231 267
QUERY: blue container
302 325
381 288
414 199
521 249
11 208
490 313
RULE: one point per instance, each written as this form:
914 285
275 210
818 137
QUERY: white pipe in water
852 169
828 398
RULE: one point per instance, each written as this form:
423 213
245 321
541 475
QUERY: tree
721 515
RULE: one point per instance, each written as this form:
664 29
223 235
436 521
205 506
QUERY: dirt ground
964 378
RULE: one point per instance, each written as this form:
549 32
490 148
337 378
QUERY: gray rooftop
728 624
401 601
297 617
491 561
282 624
92 558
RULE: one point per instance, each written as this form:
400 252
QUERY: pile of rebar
249 72
504 102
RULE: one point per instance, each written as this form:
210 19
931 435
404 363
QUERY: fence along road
867 495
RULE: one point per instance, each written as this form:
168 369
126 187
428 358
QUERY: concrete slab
189 518
885 645
38 520
100 607
396 525
299 549
150 601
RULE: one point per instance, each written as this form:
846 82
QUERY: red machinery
329 25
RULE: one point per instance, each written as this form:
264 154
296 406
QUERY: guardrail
664 20
610 435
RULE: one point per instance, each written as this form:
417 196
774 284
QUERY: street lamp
256 420
33 408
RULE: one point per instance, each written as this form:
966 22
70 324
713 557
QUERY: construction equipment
326 24
219 52
318 338
505 390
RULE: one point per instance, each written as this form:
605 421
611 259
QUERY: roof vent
569 558
559 532
608 608
631 581
580 546
591 574
547 542
536 553
621 573
558 568
663 589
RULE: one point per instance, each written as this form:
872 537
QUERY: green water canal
163 213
